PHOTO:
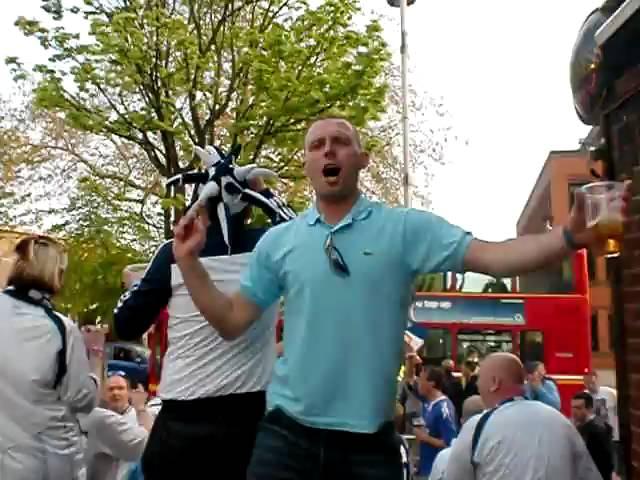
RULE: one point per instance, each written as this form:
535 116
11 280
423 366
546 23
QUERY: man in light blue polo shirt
345 268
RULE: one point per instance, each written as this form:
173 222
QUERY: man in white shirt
471 407
213 390
117 434
517 439
605 407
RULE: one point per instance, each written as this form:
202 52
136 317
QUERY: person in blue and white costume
212 390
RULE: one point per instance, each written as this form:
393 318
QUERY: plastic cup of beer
603 204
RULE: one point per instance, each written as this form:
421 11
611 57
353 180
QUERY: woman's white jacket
38 430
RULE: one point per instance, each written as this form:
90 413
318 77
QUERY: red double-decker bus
553 328
157 342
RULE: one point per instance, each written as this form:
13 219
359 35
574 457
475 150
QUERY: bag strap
477 432
475 440
37 299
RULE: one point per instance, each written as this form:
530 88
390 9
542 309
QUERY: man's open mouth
331 171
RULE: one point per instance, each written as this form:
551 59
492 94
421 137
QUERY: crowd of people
434 406
233 409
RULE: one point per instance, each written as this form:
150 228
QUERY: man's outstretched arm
517 256
532 252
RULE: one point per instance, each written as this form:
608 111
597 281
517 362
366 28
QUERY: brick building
621 133
549 204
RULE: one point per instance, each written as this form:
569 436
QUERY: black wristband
570 240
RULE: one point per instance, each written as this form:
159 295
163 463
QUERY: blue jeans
288 450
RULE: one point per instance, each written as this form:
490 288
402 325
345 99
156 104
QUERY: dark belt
250 406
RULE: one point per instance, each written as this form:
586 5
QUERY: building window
613 333
557 278
531 346
595 341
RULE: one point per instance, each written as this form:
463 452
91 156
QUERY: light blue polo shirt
344 335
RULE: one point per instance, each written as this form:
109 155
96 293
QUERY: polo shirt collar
360 211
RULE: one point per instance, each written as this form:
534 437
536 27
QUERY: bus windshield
477 344
561 278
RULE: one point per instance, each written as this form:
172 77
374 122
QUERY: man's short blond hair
40 263
331 116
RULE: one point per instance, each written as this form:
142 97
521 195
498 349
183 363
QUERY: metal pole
405 104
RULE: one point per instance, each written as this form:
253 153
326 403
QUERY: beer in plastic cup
603 204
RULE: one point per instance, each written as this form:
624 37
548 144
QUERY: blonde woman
45 375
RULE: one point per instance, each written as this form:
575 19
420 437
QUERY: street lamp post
403 4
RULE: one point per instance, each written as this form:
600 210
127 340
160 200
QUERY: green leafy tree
50 183
156 77
430 282
45 159
94 275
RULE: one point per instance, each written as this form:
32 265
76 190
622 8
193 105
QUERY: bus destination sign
468 310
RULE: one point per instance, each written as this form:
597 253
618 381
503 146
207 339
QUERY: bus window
557 278
531 346
480 343
437 346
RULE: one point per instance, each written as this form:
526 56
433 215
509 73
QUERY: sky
502 69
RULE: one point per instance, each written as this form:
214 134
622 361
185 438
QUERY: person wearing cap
46 376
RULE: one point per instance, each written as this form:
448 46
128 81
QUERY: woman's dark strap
35 298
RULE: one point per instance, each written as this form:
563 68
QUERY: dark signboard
468 310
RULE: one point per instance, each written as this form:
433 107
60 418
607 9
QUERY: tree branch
92 168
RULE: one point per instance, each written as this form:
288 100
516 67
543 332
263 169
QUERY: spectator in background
595 433
438 426
472 406
469 378
605 401
46 377
517 439
453 386
540 387
409 396
117 433
605 407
